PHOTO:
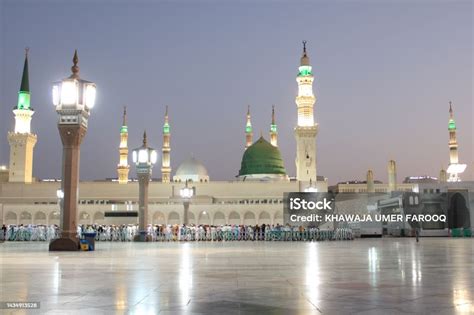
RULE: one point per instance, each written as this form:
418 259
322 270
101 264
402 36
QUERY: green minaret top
248 125
305 68
166 125
273 126
24 93
124 128
452 123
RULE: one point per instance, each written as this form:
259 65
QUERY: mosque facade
255 196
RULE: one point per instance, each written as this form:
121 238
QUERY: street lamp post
144 159
73 99
186 193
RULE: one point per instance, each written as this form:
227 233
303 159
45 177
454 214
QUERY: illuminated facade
123 168
166 150
307 129
21 140
454 169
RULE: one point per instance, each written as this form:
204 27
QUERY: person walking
417 234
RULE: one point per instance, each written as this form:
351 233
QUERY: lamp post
73 98
186 193
144 159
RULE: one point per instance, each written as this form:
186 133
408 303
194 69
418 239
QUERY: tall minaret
307 129
165 162
248 130
273 129
454 168
370 182
392 176
21 140
123 168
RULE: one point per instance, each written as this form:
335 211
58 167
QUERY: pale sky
384 74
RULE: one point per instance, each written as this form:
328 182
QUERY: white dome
191 169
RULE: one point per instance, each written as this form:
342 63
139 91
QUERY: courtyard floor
368 276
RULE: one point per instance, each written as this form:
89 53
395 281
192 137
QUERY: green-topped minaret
24 93
123 168
248 130
273 129
166 151
21 140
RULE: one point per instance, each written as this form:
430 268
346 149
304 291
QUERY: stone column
71 137
143 182
186 212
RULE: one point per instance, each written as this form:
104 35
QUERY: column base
142 237
64 244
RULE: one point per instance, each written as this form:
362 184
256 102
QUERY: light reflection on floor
369 276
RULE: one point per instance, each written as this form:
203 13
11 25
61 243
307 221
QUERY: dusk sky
384 74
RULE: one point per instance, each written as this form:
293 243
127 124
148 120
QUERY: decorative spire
25 82
75 67
24 93
273 129
124 123
144 139
273 114
248 126
305 68
452 123
166 125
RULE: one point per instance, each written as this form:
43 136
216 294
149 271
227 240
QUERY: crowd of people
168 233
29 232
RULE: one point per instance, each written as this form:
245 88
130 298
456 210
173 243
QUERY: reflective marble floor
368 276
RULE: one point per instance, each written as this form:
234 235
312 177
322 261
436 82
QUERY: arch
458 213
26 218
264 218
173 218
99 218
278 218
234 218
158 218
40 218
249 218
54 217
10 218
219 218
204 218
84 218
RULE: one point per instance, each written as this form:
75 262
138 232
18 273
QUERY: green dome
262 158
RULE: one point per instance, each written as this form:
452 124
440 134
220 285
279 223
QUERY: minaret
123 168
248 130
165 162
370 182
273 129
453 143
21 140
443 176
307 129
392 176
454 168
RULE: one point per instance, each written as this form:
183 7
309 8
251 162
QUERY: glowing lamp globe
186 192
144 156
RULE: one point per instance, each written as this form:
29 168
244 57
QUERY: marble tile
371 276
